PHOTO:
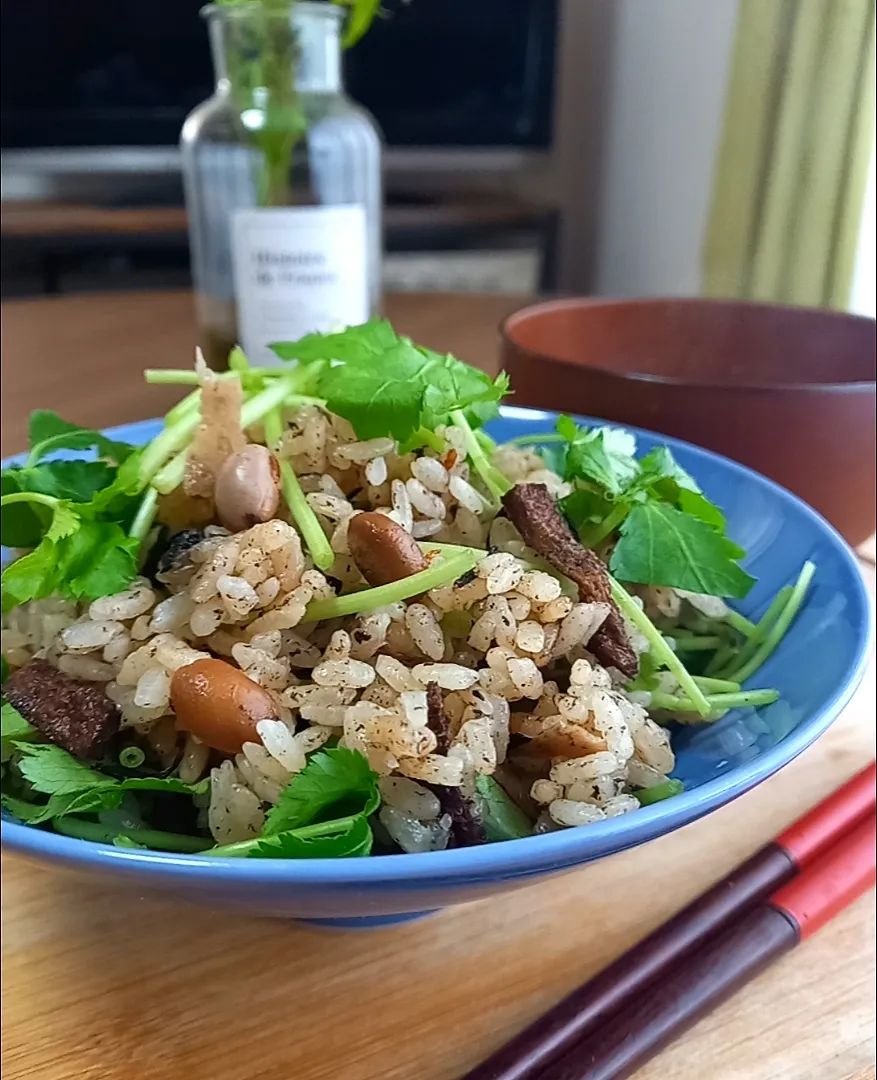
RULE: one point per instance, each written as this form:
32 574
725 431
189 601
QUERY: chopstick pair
613 1024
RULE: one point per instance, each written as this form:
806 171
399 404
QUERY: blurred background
615 147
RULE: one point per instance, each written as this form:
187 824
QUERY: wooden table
106 985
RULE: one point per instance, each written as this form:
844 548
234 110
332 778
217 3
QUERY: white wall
862 295
668 80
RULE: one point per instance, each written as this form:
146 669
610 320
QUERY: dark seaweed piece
173 556
77 716
467 829
466 579
534 512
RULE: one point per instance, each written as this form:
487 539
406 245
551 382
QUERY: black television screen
435 73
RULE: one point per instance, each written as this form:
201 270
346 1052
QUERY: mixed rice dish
322 614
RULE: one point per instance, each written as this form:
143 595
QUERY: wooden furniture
58 235
102 984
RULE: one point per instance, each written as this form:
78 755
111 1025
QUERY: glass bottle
282 176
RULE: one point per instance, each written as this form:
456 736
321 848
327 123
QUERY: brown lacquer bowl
787 391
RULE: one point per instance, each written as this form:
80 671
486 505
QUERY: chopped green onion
495 481
660 648
738 700
781 625
312 531
151 838
666 790
132 757
440 572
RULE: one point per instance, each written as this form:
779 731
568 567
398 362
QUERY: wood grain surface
101 984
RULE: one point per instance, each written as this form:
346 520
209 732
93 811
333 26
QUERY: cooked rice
508 647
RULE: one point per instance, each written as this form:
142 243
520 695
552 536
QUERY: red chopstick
578 1014
726 963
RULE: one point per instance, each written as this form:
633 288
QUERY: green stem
166 444
495 482
717 702
30 497
724 655
740 623
780 626
693 642
309 526
145 515
536 440
440 572
185 377
590 538
660 649
705 682
254 409
152 838
750 647
306 832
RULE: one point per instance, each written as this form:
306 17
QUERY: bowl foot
368 922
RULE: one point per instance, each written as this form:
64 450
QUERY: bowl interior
708 342
816 669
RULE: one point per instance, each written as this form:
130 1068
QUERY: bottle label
296 271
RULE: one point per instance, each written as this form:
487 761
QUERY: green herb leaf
503 819
355 343
48 433
77 557
584 507
660 545
13 725
386 385
334 784
602 455
53 771
352 838
92 801
168 784
384 398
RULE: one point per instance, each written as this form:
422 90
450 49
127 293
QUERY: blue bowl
716 762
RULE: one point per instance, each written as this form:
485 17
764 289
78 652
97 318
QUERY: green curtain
793 160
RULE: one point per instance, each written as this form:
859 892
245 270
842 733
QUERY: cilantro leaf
660 545
48 433
53 771
13 725
77 557
503 819
583 507
354 343
384 384
334 783
352 838
378 398
23 524
75 788
90 801
602 455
